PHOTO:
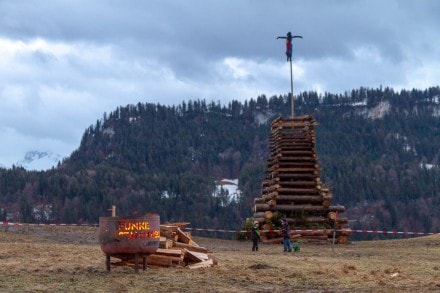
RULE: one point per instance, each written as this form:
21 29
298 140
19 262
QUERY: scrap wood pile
292 188
177 248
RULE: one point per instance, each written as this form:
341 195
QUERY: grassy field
69 259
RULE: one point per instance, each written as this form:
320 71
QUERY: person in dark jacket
255 236
285 229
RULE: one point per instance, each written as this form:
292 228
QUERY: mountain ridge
371 145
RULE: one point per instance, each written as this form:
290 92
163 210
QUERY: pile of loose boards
177 248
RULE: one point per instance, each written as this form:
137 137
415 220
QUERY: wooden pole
292 112
334 232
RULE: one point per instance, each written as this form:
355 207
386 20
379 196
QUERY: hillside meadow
69 259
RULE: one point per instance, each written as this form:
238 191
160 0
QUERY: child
255 236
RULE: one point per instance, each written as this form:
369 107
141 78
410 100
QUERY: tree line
379 150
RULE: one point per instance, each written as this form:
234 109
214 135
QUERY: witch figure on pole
289 38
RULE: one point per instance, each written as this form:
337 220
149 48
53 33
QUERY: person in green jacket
255 236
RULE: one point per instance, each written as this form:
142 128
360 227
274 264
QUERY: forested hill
379 150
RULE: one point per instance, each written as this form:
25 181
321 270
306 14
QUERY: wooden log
260 220
276 171
308 220
332 216
313 233
259 200
342 220
294 236
294 164
259 215
298 184
300 198
268 214
297 190
344 232
289 134
293 208
285 124
265 183
317 237
342 240
267 227
277 240
267 197
295 176
270 188
273 181
272 202
309 153
317 241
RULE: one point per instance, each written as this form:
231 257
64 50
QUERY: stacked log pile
292 188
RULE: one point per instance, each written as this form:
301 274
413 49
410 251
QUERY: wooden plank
203 264
166 243
290 208
158 256
157 260
193 243
195 256
190 247
169 252
182 236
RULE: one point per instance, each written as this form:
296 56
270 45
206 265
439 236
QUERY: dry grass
68 259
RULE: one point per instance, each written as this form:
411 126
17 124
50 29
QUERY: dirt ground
69 259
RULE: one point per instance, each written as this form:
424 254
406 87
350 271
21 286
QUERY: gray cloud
65 63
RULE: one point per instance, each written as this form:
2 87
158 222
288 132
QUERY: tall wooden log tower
292 188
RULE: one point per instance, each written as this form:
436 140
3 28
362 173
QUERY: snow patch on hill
379 111
227 190
39 161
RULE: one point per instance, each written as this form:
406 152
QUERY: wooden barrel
122 237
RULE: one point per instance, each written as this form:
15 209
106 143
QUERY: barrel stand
136 262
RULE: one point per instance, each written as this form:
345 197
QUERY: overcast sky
64 63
